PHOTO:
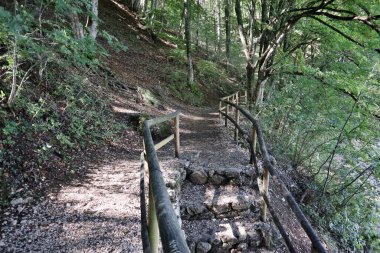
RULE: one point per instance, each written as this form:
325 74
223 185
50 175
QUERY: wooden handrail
269 169
162 218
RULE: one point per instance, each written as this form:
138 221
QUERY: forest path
100 211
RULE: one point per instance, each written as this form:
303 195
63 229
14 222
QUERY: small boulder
203 247
217 179
198 176
227 236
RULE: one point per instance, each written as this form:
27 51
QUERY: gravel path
100 213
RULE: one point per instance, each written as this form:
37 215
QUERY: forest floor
99 211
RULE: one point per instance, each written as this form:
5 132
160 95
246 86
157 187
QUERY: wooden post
225 118
237 117
246 97
227 105
253 143
153 223
220 108
176 136
313 249
265 192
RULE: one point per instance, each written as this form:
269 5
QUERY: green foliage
213 76
179 87
57 110
178 55
323 119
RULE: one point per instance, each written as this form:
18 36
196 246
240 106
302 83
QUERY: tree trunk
218 25
94 18
228 30
77 26
146 11
190 76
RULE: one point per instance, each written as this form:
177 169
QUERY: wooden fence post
253 143
246 97
265 192
153 223
225 118
220 109
176 136
237 118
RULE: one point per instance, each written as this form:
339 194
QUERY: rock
215 240
241 204
254 238
217 179
203 247
220 207
242 247
232 173
198 177
18 201
185 163
242 232
2 244
196 208
227 236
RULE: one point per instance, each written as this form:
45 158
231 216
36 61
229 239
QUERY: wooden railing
225 109
162 218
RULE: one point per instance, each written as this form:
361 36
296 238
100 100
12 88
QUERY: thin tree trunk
228 29
190 76
77 26
246 47
218 25
12 95
94 23
146 10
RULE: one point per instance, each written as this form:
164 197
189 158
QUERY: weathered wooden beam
171 235
164 142
278 224
144 222
155 121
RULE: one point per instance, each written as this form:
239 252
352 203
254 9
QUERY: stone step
232 235
210 201
219 175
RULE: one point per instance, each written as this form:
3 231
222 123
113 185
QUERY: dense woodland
311 68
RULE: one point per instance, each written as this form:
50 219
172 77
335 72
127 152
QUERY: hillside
73 107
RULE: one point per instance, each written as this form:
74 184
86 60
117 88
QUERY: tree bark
94 18
77 26
228 29
218 25
190 76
